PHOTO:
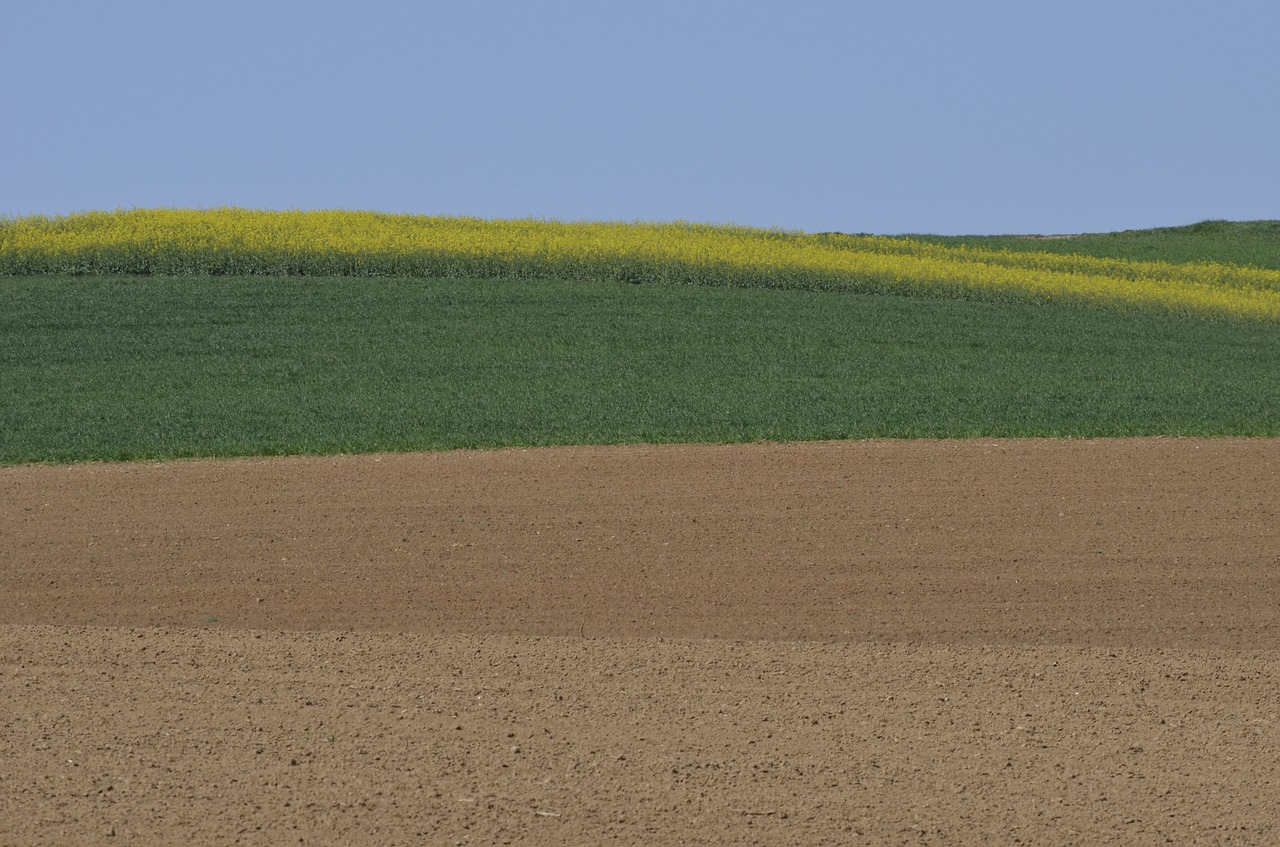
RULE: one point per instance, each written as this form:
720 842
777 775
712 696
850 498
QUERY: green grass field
1255 243
134 367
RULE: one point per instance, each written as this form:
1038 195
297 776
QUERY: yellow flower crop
240 241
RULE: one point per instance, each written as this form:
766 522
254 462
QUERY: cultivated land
876 641
141 367
850 642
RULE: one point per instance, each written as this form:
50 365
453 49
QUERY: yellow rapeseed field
241 241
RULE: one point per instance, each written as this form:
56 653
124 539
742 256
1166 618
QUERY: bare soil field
1025 641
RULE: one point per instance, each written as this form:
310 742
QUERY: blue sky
887 117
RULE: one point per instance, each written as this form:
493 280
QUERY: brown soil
859 642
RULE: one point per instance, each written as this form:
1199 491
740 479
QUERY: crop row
345 243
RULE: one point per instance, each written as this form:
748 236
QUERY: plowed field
1032 641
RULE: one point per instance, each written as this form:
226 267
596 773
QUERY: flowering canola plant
348 243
